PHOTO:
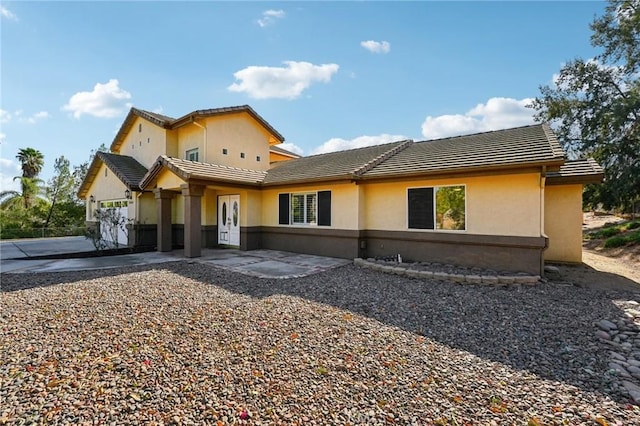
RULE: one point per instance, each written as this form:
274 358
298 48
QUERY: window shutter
324 208
283 209
420 208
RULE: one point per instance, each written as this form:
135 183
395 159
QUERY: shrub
617 241
632 225
604 233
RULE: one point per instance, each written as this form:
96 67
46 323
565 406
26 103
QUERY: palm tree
31 161
31 189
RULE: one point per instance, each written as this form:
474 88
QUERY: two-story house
506 199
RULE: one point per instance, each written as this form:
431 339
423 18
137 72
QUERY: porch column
163 203
192 219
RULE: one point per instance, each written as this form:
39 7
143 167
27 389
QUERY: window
439 208
139 127
257 158
242 155
224 151
309 208
192 154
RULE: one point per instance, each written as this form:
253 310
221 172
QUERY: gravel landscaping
186 343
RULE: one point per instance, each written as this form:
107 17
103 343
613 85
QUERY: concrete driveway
15 257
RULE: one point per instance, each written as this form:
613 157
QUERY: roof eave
468 170
575 180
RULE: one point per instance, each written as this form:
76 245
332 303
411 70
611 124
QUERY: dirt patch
616 269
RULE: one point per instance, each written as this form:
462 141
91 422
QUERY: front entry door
229 220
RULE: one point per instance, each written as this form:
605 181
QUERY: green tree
31 161
30 189
594 106
65 209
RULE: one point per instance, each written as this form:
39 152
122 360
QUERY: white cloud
8 170
6 13
106 101
339 144
36 117
376 46
288 82
5 116
291 147
2 137
270 16
497 113
158 110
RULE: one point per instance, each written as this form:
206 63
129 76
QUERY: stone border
489 280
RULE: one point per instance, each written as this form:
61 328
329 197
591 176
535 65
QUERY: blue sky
326 75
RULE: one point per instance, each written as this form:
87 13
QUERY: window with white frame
192 154
437 208
305 208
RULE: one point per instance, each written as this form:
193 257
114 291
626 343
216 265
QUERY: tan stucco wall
168 180
344 204
145 145
237 133
563 222
496 205
148 209
106 188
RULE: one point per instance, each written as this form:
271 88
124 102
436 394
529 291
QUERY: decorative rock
633 389
490 280
551 269
616 355
603 335
607 325
620 370
474 279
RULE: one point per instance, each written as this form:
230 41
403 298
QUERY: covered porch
204 206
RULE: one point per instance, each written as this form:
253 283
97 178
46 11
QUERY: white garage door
114 211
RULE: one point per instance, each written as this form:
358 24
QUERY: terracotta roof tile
332 166
529 145
126 168
585 170
193 170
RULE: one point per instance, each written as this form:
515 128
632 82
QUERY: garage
114 217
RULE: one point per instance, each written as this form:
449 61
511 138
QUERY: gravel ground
184 343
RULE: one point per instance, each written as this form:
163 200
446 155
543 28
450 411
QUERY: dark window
324 208
224 151
257 158
309 208
139 127
421 208
242 155
283 209
440 207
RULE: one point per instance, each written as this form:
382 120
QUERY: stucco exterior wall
144 142
147 209
106 188
495 205
236 133
344 204
563 222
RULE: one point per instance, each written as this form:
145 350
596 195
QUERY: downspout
543 179
204 145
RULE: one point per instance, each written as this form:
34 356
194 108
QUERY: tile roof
193 170
279 150
154 116
126 168
581 171
510 148
332 166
